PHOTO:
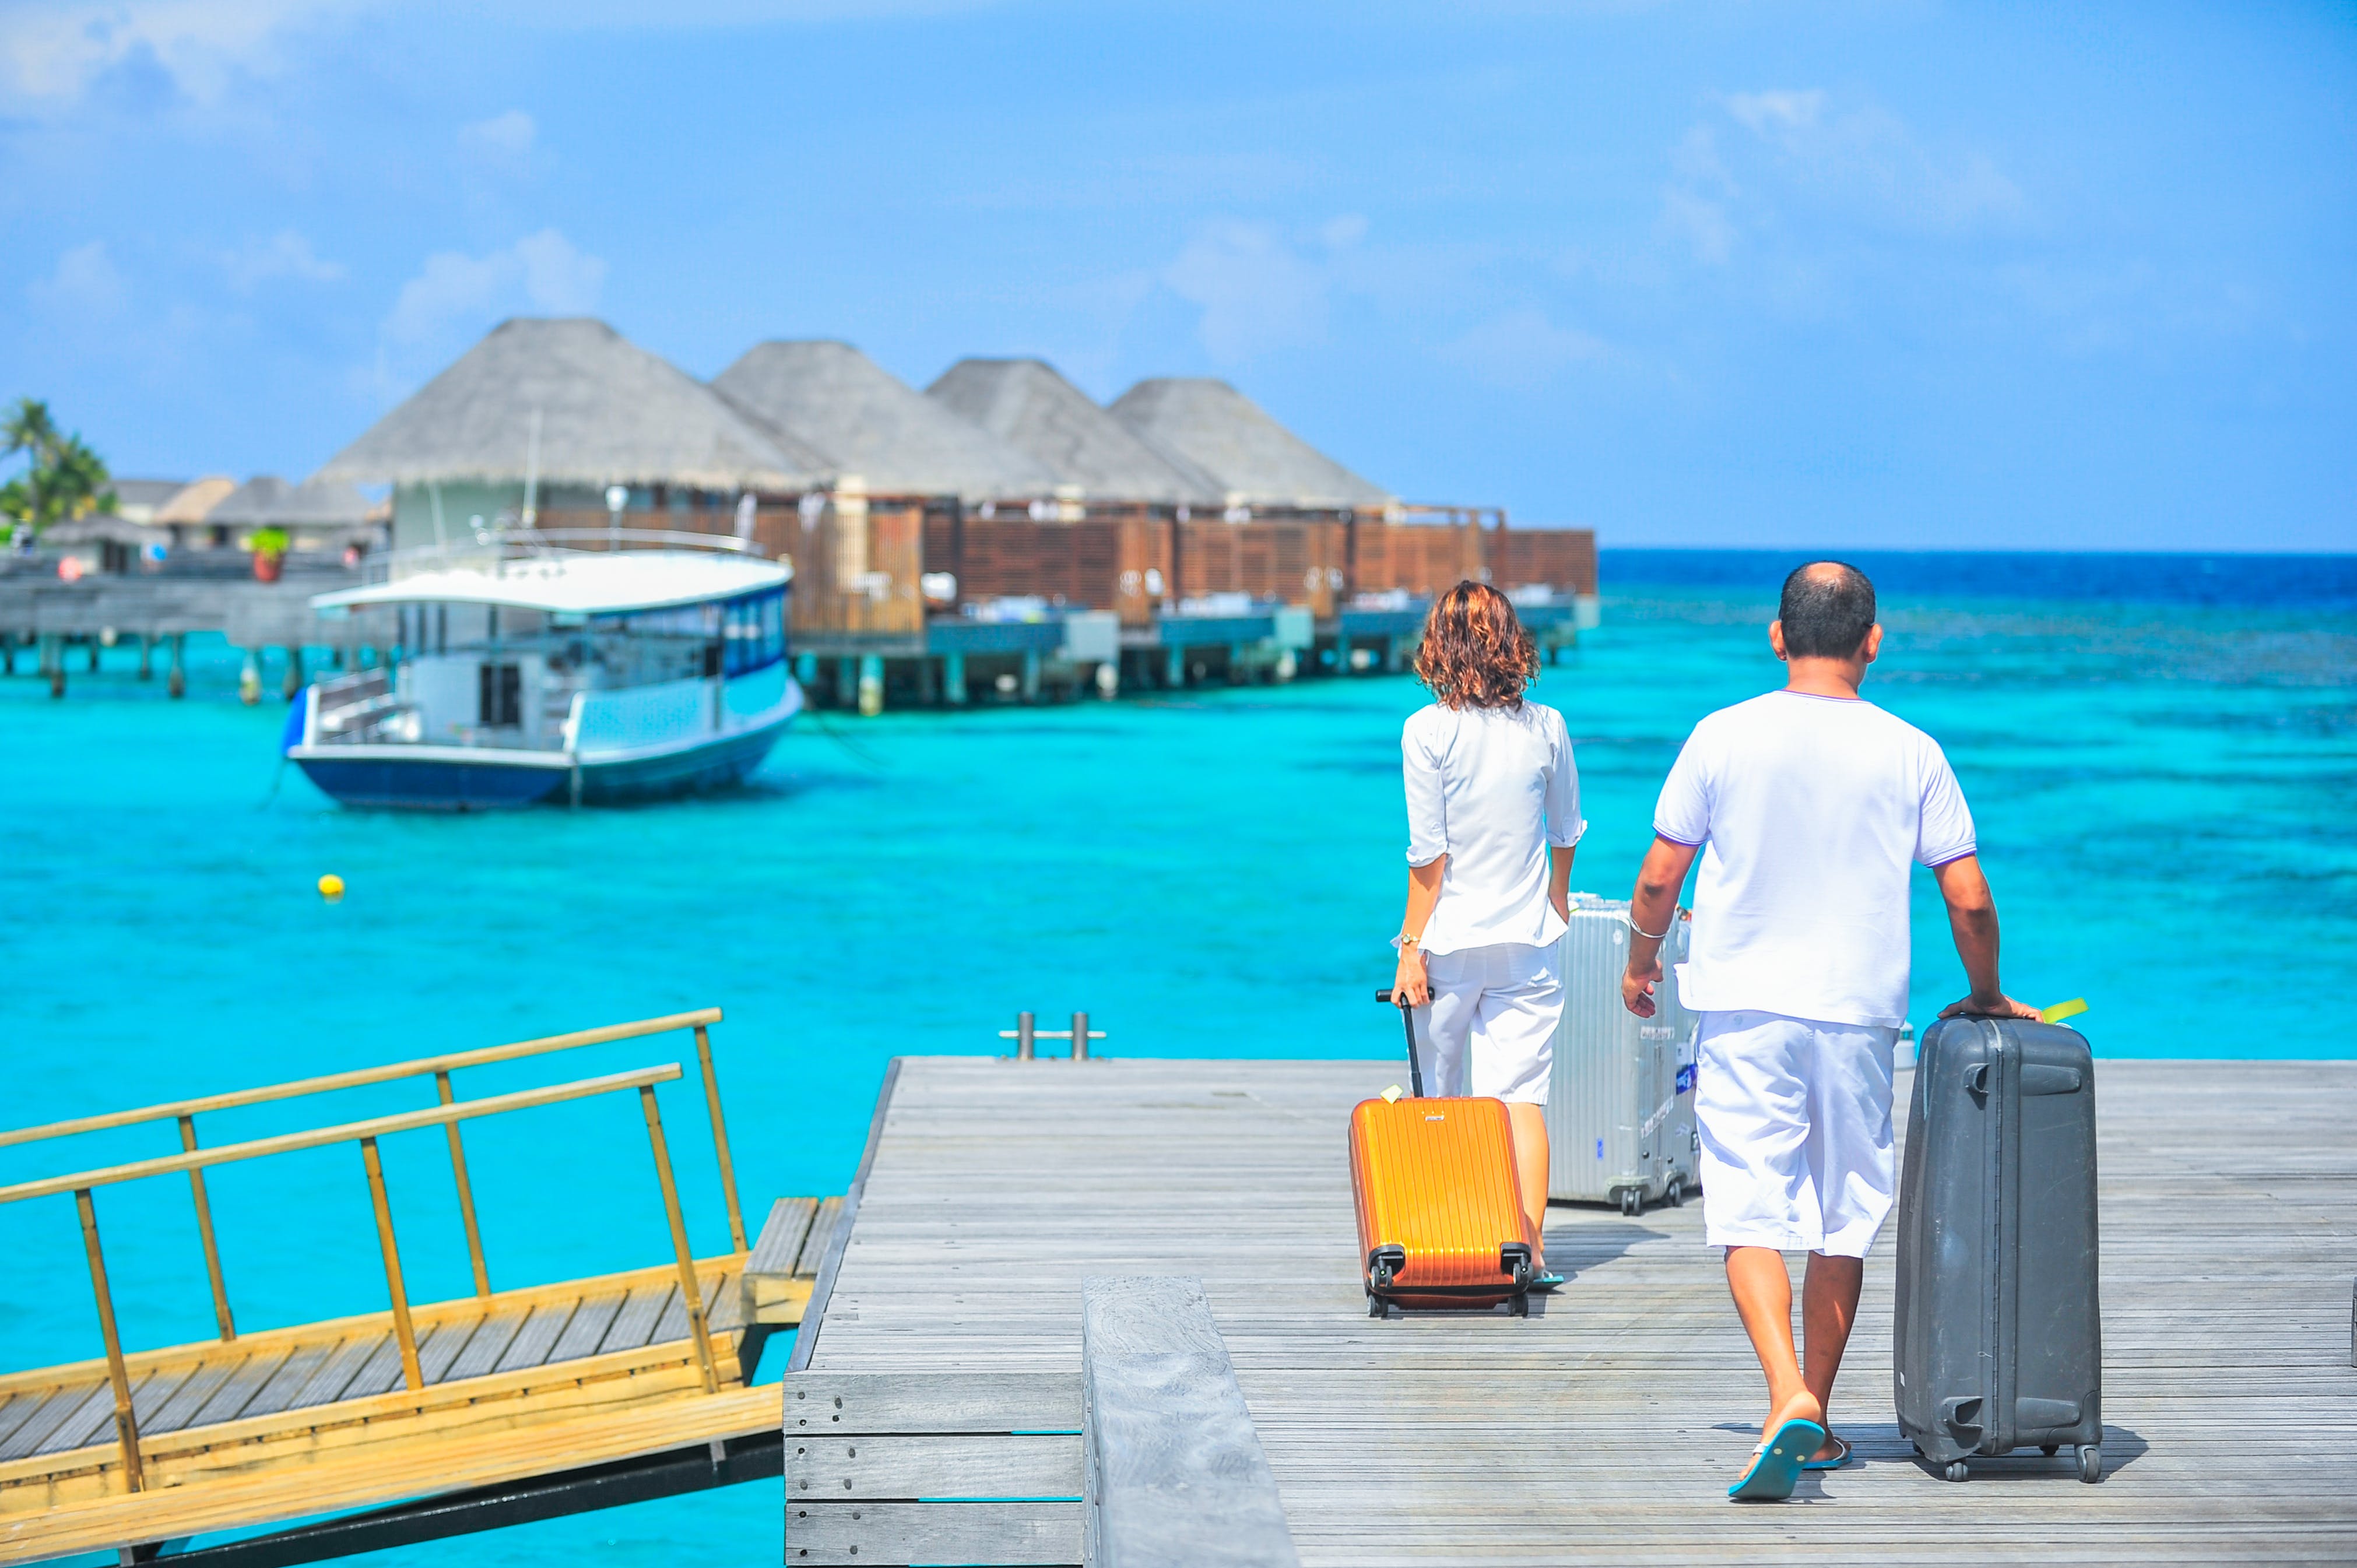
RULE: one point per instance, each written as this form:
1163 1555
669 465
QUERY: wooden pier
443 1417
934 1410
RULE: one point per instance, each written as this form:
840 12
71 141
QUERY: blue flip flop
1546 1282
1776 1464
1838 1460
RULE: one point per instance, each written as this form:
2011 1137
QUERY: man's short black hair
1826 613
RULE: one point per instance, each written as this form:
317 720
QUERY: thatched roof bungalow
318 514
1031 407
1256 462
830 398
608 413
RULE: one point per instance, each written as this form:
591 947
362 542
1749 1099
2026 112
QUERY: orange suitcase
1440 1211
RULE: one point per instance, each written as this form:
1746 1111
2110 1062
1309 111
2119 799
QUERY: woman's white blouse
1490 789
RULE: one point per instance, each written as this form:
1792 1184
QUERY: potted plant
269 547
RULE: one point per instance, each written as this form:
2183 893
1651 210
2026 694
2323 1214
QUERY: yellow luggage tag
1390 1095
2062 1010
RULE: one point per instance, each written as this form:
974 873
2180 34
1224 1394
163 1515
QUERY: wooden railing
84 1185
186 1112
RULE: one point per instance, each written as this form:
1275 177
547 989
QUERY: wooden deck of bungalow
933 1410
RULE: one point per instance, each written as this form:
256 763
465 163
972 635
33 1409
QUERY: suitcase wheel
2090 1463
1677 1194
1958 1470
1374 1304
1632 1201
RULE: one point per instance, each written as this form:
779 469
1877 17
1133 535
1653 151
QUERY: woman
1493 822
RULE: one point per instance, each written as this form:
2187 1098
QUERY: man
1809 808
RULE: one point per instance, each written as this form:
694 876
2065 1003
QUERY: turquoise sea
2162 759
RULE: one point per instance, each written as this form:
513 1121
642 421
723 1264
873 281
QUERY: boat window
756 632
502 693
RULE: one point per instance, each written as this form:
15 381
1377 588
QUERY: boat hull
458 778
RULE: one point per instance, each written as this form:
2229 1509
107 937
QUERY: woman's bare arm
1408 985
1559 882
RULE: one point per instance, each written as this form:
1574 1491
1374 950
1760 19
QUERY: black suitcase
1998 1341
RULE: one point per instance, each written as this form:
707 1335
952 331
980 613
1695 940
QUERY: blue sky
1863 275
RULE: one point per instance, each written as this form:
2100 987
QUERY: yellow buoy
331 889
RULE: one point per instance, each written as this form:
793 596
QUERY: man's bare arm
1972 919
1652 908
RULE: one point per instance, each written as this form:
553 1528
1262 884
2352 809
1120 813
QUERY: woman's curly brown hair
1476 653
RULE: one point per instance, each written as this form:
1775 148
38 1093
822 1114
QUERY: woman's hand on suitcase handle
1410 985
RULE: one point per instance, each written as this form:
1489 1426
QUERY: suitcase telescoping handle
1407 1016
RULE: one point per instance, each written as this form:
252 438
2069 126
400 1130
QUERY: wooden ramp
140 1447
934 1413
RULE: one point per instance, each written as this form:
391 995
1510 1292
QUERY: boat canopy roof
576 583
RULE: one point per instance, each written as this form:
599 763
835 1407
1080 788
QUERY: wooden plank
367 1479
542 1326
31 1436
587 1329
487 1346
1176 1472
839 1228
823 1220
237 1390
724 1301
781 1241
947 1467
994 1533
880 1402
285 1385
438 1351
304 1336
780 1301
335 1373
82 1424
19 1409
2229 1210
634 1325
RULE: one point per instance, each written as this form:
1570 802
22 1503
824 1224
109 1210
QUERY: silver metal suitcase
1621 1126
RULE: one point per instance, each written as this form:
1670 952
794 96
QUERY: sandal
1838 1461
1776 1464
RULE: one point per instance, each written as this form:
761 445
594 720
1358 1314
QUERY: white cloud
502 144
1259 290
1764 113
86 284
1522 350
285 254
1867 160
455 298
52 52
1794 157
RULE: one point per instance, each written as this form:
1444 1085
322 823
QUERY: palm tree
63 479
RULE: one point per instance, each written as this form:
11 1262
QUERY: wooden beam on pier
1176 1475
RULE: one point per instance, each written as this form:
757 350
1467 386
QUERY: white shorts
1490 1026
1795 1121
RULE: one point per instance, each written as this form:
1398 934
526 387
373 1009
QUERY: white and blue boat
521 673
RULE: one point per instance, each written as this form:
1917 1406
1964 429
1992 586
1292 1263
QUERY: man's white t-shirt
1814 811
1490 789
